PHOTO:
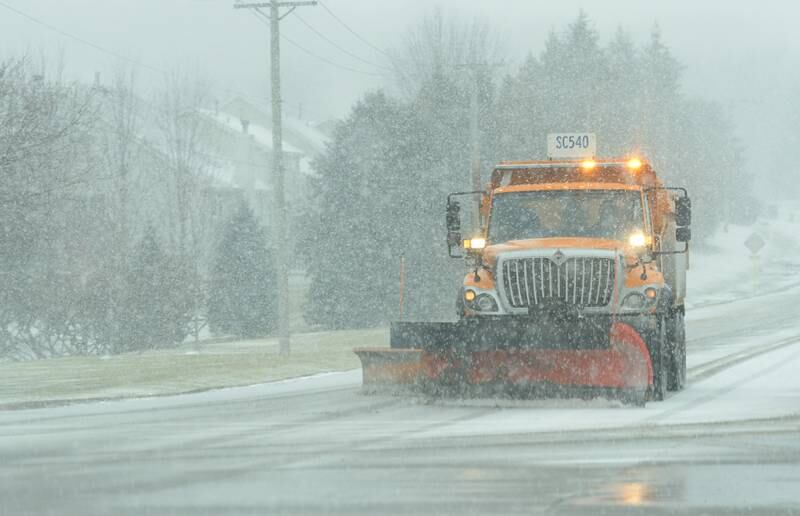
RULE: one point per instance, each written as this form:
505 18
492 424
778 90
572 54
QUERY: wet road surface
729 443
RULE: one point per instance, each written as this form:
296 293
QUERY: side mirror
453 227
683 234
453 217
683 213
453 239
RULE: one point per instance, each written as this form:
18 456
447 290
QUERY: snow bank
724 269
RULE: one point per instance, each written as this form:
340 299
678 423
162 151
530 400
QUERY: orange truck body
669 270
564 308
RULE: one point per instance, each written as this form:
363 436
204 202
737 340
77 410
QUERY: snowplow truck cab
574 285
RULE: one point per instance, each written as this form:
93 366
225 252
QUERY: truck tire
677 355
460 305
660 358
634 398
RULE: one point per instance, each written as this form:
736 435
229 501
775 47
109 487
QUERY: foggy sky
741 53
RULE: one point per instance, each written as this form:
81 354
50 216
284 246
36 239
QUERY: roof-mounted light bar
633 164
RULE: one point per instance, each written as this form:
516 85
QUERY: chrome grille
580 281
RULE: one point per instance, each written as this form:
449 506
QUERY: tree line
110 239
378 199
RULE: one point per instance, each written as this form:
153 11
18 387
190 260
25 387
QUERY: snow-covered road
317 445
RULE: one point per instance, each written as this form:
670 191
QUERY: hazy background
125 208
742 54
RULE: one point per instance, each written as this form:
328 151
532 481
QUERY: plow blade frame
502 333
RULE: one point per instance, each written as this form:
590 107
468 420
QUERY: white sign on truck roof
571 145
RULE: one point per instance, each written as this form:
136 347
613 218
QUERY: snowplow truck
574 286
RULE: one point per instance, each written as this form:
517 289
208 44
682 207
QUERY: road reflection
632 493
642 488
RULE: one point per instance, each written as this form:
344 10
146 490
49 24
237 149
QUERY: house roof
300 133
260 134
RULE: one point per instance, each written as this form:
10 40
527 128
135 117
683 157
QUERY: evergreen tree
380 193
351 244
157 306
621 126
381 183
242 298
631 97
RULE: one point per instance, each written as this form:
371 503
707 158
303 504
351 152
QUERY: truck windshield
612 214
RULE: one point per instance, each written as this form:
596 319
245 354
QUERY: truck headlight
474 243
637 240
634 301
485 303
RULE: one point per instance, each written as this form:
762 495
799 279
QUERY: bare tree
46 163
188 147
121 148
437 46
185 141
41 120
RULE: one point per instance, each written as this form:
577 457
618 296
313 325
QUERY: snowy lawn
187 368
721 271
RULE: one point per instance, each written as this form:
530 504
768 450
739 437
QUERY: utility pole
281 259
475 147
475 137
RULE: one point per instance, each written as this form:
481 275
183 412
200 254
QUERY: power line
114 54
81 40
328 61
354 33
100 48
335 45
263 18
118 56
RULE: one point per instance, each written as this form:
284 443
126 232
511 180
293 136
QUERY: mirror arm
674 188
684 251
473 192
478 266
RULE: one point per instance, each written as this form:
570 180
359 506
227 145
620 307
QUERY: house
238 135
188 171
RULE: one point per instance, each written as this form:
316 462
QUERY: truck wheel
677 355
660 359
634 398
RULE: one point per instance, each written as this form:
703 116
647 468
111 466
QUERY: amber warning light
634 163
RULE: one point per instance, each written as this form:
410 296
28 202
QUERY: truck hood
492 251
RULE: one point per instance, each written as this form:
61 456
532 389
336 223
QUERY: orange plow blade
460 358
624 364
384 368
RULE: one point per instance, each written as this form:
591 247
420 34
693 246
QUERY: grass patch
190 367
